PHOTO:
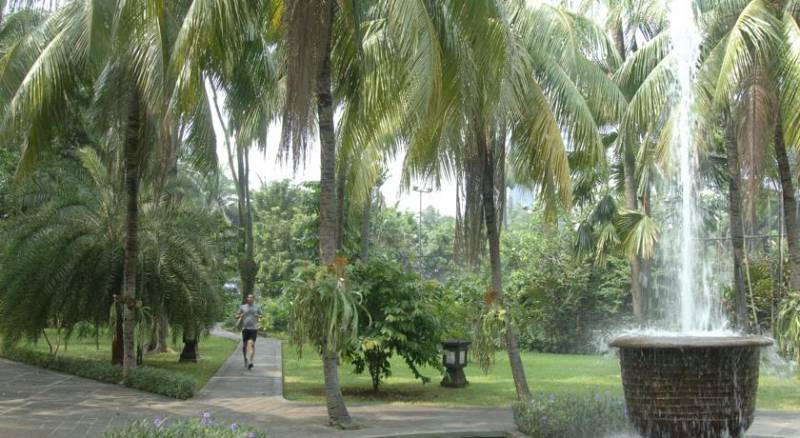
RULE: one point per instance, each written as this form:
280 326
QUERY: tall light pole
419 233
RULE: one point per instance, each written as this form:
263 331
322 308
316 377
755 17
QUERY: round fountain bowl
690 386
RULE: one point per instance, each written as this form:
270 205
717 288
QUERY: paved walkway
41 403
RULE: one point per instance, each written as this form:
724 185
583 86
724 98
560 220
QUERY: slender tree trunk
789 207
190 351
132 143
493 234
117 346
737 230
365 219
240 172
458 238
629 166
500 182
341 213
158 336
646 264
163 332
634 259
337 411
473 207
248 269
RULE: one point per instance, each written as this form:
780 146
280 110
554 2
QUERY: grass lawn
213 352
547 373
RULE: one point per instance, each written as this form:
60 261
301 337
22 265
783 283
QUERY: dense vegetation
116 214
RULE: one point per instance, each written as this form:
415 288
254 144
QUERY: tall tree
505 81
117 49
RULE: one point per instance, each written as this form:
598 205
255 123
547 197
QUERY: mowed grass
546 373
213 353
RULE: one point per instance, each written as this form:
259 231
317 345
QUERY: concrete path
41 403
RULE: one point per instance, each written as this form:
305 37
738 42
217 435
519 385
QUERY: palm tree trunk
737 230
365 218
158 336
458 231
132 142
628 166
634 259
247 265
341 214
473 208
117 346
789 207
493 234
500 182
337 411
190 350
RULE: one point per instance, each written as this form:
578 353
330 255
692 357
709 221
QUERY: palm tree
74 213
754 70
119 52
740 35
517 77
251 103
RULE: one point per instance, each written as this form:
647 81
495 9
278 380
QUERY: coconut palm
119 52
505 78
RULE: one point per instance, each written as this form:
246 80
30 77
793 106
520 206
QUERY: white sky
265 167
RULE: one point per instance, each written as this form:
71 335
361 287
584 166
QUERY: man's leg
244 346
253 336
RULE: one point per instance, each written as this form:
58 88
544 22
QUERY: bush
571 416
162 382
163 427
277 312
398 316
559 302
168 383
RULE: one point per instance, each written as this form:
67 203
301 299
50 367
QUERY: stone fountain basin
690 386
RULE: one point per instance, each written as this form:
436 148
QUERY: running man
248 315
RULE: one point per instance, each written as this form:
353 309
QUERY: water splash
697 301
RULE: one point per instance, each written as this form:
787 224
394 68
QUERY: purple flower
597 397
251 435
158 421
206 420
234 427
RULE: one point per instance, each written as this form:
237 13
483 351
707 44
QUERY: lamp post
419 233
454 358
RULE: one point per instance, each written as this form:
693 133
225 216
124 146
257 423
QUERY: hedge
571 416
158 381
163 427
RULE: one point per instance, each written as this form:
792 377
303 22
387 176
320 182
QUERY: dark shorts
249 334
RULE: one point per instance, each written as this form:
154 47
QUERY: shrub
559 302
398 316
148 379
571 416
277 312
163 427
162 382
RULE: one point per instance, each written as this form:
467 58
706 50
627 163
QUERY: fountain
697 378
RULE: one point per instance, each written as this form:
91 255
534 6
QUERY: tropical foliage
111 196
399 317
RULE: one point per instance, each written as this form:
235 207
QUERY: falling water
698 305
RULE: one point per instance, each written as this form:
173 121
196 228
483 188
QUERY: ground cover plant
571 416
166 427
96 352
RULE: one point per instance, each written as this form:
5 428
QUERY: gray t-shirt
250 316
